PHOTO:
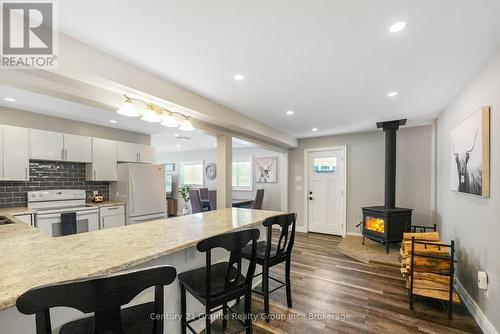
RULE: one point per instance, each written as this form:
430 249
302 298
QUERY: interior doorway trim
307 151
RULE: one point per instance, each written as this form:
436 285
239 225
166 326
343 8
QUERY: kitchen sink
5 221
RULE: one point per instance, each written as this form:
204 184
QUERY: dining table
238 203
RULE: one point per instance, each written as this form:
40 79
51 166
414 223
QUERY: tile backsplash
46 175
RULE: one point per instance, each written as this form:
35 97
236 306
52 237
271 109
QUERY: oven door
50 223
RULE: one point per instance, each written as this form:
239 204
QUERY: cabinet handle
95 177
26 173
113 208
62 153
65 154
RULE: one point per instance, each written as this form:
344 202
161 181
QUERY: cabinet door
103 160
127 152
146 154
113 221
77 148
16 153
25 219
46 145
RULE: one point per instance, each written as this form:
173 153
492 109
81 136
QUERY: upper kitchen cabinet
46 145
14 144
128 152
103 166
77 148
55 146
146 154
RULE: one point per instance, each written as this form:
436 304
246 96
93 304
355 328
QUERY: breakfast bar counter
31 258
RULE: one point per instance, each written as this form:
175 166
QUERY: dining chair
194 198
217 284
259 197
102 296
203 193
212 199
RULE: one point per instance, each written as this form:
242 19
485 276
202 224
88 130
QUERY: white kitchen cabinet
27 219
15 154
77 148
112 216
146 154
127 152
103 166
46 145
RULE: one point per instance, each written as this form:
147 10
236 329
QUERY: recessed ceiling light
239 77
177 135
9 99
289 112
177 145
112 121
314 129
398 26
392 94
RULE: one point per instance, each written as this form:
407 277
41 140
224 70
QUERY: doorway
325 190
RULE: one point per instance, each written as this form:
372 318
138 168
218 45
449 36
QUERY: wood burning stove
386 224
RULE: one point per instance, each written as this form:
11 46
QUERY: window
191 173
242 174
325 165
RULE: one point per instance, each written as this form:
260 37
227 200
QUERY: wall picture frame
470 154
266 170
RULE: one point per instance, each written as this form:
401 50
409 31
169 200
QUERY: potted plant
184 192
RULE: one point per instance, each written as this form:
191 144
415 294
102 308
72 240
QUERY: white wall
365 172
274 195
473 222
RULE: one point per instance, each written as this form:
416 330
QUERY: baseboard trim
356 234
478 315
301 229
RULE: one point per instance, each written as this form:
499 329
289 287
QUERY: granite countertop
21 210
105 203
31 258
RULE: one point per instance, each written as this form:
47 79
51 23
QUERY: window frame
191 163
244 159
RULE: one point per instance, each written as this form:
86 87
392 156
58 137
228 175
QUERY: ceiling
165 140
330 61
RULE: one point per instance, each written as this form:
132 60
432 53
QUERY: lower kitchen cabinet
111 216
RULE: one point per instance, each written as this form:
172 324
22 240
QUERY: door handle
310 193
310 198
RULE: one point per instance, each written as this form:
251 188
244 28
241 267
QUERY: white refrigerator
142 188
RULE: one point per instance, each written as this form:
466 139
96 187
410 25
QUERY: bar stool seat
195 281
261 251
136 320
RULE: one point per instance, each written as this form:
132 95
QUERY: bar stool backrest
234 243
286 224
104 296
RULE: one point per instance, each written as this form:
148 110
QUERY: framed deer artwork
470 154
266 170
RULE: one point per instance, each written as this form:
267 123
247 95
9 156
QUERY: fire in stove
374 223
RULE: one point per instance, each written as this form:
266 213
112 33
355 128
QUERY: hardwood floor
333 293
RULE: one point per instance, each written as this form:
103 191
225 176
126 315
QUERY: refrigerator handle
132 209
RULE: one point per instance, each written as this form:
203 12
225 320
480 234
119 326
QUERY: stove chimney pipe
390 128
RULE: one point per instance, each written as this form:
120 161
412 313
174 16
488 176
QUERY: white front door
325 191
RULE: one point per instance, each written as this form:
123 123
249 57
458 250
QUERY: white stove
51 204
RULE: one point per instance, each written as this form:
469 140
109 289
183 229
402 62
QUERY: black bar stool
217 284
270 254
103 296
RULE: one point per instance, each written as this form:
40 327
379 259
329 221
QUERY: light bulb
186 125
